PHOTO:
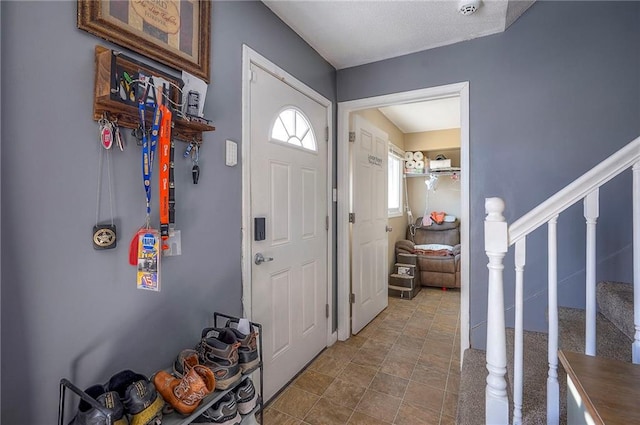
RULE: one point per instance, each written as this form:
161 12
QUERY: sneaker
218 350
223 412
246 396
248 350
89 415
186 360
141 400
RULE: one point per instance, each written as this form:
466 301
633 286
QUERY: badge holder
105 235
148 274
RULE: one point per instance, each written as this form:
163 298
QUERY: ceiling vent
468 7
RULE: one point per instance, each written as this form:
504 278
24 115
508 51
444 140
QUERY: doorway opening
345 111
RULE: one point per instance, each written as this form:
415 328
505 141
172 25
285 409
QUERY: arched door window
292 127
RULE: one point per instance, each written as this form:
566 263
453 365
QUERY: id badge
148 270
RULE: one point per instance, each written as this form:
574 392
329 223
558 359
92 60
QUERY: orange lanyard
165 165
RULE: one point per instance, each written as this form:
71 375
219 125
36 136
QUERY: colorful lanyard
148 146
165 164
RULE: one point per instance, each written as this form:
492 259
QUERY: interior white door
288 189
369 240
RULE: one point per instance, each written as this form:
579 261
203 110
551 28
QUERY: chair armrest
405 246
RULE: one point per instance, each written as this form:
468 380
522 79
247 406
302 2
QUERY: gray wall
549 98
67 310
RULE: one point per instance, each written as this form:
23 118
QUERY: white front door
369 240
288 179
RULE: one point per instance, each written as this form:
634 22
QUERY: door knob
259 259
388 229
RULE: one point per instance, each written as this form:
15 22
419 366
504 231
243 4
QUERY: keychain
195 171
104 234
117 135
187 151
106 132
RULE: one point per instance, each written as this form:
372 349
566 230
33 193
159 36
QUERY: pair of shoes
226 411
130 398
195 382
248 350
229 353
218 350
141 401
89 415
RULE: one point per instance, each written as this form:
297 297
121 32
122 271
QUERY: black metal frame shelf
210 400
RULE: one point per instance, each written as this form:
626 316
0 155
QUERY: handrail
575 191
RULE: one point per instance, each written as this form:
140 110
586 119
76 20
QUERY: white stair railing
499 237
591 213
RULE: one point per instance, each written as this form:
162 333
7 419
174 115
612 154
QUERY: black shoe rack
219 320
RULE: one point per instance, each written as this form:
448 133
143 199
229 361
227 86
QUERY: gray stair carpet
473 378
615 300
611 342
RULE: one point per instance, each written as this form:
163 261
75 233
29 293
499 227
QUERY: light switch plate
232 153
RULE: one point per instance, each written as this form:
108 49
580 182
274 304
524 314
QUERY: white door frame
343 239
250 56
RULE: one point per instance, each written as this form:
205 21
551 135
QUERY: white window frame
396 154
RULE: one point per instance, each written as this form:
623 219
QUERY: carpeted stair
611 342
615 300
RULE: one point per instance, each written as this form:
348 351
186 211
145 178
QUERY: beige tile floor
403 368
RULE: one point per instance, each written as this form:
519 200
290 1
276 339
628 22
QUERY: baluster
635 349
496 244
591 213
518 360
553 389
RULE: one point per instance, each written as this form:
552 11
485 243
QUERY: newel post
496 243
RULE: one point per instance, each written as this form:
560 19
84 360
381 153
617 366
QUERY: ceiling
348 33
439 114
354 32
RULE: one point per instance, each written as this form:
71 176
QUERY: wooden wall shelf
107 100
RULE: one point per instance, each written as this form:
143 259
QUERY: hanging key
195 156
117 135
195 173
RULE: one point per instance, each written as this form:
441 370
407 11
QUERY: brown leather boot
185 394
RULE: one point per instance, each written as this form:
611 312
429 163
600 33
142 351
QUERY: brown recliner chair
436 267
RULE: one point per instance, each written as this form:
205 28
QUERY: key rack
110 68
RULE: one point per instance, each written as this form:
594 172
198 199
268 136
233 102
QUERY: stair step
615 300
405 269
407 258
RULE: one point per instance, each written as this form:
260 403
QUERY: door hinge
326 134
327 310
352 298
254 76
352 217
327 223
352 136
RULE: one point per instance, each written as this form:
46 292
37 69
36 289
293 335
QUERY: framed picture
173 32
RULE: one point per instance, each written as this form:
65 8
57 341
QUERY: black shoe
89 415
140 398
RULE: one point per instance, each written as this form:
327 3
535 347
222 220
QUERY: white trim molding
343 241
